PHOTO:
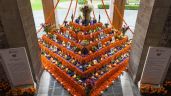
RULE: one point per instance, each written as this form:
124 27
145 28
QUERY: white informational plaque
156 65
16 65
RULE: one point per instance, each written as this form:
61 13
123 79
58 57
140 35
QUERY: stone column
116 19
19 30
48 7
149 27
166 41
3 44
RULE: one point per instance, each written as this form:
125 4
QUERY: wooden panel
117 20
48 6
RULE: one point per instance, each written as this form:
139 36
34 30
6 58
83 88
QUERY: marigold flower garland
85 28
103 41
6 90
89 57
105 81
149 90
80 36
73 87
91 69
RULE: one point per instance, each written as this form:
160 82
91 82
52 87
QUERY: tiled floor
121 87
114 90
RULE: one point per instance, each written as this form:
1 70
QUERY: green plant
84 42
50 36
81 2
100 6
131 7
127 7
77 49
94 48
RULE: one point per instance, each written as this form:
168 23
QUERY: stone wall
19 30
3 44
151 21
166 40
141 28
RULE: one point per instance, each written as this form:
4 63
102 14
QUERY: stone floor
122 87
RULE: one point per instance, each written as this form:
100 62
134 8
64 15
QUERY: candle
101 58
72 61
95 61
74 76
51 59
66 69
79 52
65 56
90 52
110 66
96 74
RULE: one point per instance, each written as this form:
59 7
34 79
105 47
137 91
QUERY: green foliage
131 7
127 7
100 6
134 1
36 5
77 49
81 2
94 48
84 42
50 36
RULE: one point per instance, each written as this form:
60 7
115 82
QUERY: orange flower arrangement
89 57
60 37
149 90
4 87
106 61
6 90
92 68
21 92
64 62
106 80
80 36
85 28
73 87
65 80
167 84
103 78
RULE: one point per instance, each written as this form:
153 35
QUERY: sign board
16 65
156 65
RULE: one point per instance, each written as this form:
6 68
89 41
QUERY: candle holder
106 25
65 22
